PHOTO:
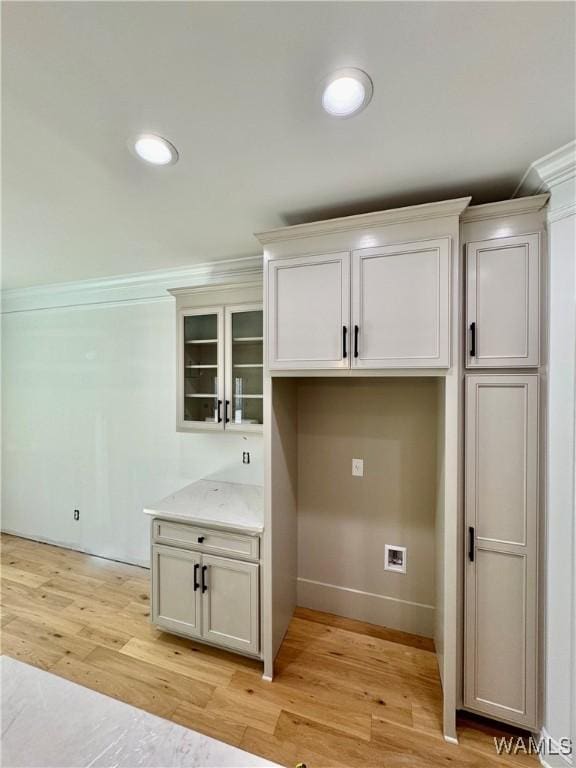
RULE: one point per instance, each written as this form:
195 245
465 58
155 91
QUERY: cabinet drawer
207 539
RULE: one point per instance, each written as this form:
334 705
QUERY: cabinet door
244 368
503 306
231 609
308 312
176 595
501 566
401 305
200 368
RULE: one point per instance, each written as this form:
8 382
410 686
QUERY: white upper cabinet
200 366
244 364
220 368
401 305
503 302
398 317
309 312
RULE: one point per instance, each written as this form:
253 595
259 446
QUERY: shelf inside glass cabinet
201 367
247 368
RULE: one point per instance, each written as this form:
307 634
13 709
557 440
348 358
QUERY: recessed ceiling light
347 92
154 149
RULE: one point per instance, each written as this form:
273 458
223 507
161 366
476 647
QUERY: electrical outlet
76 514
358 467
245 457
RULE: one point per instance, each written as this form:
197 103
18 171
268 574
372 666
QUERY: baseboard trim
392 612
87 552
556 760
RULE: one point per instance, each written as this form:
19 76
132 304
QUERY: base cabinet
215 599
500 674
176 599
230 603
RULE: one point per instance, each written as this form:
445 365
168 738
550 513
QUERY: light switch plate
358 467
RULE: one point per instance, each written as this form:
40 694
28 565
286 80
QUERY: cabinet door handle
219 411
472 339
226 407
196 584
471 535
356 332
344 342
204 585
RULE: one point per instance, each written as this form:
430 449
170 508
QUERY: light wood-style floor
346 693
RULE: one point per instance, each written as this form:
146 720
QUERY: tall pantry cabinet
502 460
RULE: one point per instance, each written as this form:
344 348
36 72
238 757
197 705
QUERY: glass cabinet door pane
247 367
203 409
201 368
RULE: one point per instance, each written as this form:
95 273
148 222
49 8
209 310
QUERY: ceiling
466 96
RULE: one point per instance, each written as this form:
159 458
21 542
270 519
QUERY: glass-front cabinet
244 367
202 365
220 368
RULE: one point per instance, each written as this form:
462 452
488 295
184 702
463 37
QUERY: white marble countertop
215 503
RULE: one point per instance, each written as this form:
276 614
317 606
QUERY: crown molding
562 212
215 287
549 171
514 207
137 287
366 220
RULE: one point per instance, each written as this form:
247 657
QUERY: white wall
88 400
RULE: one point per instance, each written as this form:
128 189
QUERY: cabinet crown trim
376 219
514 207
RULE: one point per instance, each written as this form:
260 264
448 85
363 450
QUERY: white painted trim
549 171
558 761
88 552
216 287
384 610
367 594
564 212
516 207
140 286
410 213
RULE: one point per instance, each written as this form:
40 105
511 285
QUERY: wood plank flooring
346 693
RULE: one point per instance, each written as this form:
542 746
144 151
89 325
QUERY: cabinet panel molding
230 607
176 602
503 302
401 305
501 589
308 309
207 540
